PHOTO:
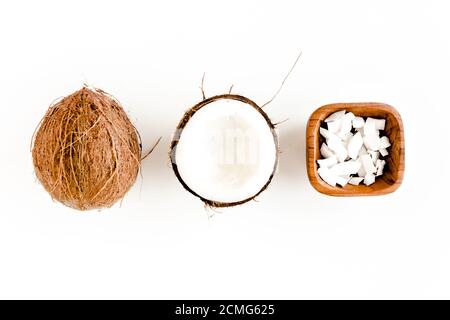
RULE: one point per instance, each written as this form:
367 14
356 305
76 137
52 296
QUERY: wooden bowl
395 162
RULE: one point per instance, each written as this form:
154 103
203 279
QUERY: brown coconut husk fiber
86 152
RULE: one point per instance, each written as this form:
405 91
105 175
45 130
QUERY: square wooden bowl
395 162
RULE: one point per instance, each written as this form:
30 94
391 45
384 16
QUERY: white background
293 242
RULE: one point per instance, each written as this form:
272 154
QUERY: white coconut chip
361 130
346 140
335 116
383 152
328 162
358 122
334 126
325 151
342 181
325 133
346 168
354 146
327 176
380 167
380 124
355 181
370 127
336 145
384 143
363 151
369 179
367 163
375 155
372 142
226 152
346 125
362 172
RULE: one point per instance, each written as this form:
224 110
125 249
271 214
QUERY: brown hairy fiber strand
182 124
86 152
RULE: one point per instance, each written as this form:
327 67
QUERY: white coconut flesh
227 152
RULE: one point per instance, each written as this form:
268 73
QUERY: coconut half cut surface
225 150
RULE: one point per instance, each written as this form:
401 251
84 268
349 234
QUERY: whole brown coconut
86 152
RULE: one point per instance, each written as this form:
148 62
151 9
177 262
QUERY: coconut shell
182 124
86 152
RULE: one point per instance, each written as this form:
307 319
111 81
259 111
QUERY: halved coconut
225 150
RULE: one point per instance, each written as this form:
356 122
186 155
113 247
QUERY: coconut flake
362 172
369 179
346 138
380 124
358 123
325 133
354 145
383 152
346 124
327 176
361 130
342 181
380 167
355 181
370 127
325 151
384 143
346 168
367 163
336 145
335 116
328 162
334 126
375 155
363 151
372 142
